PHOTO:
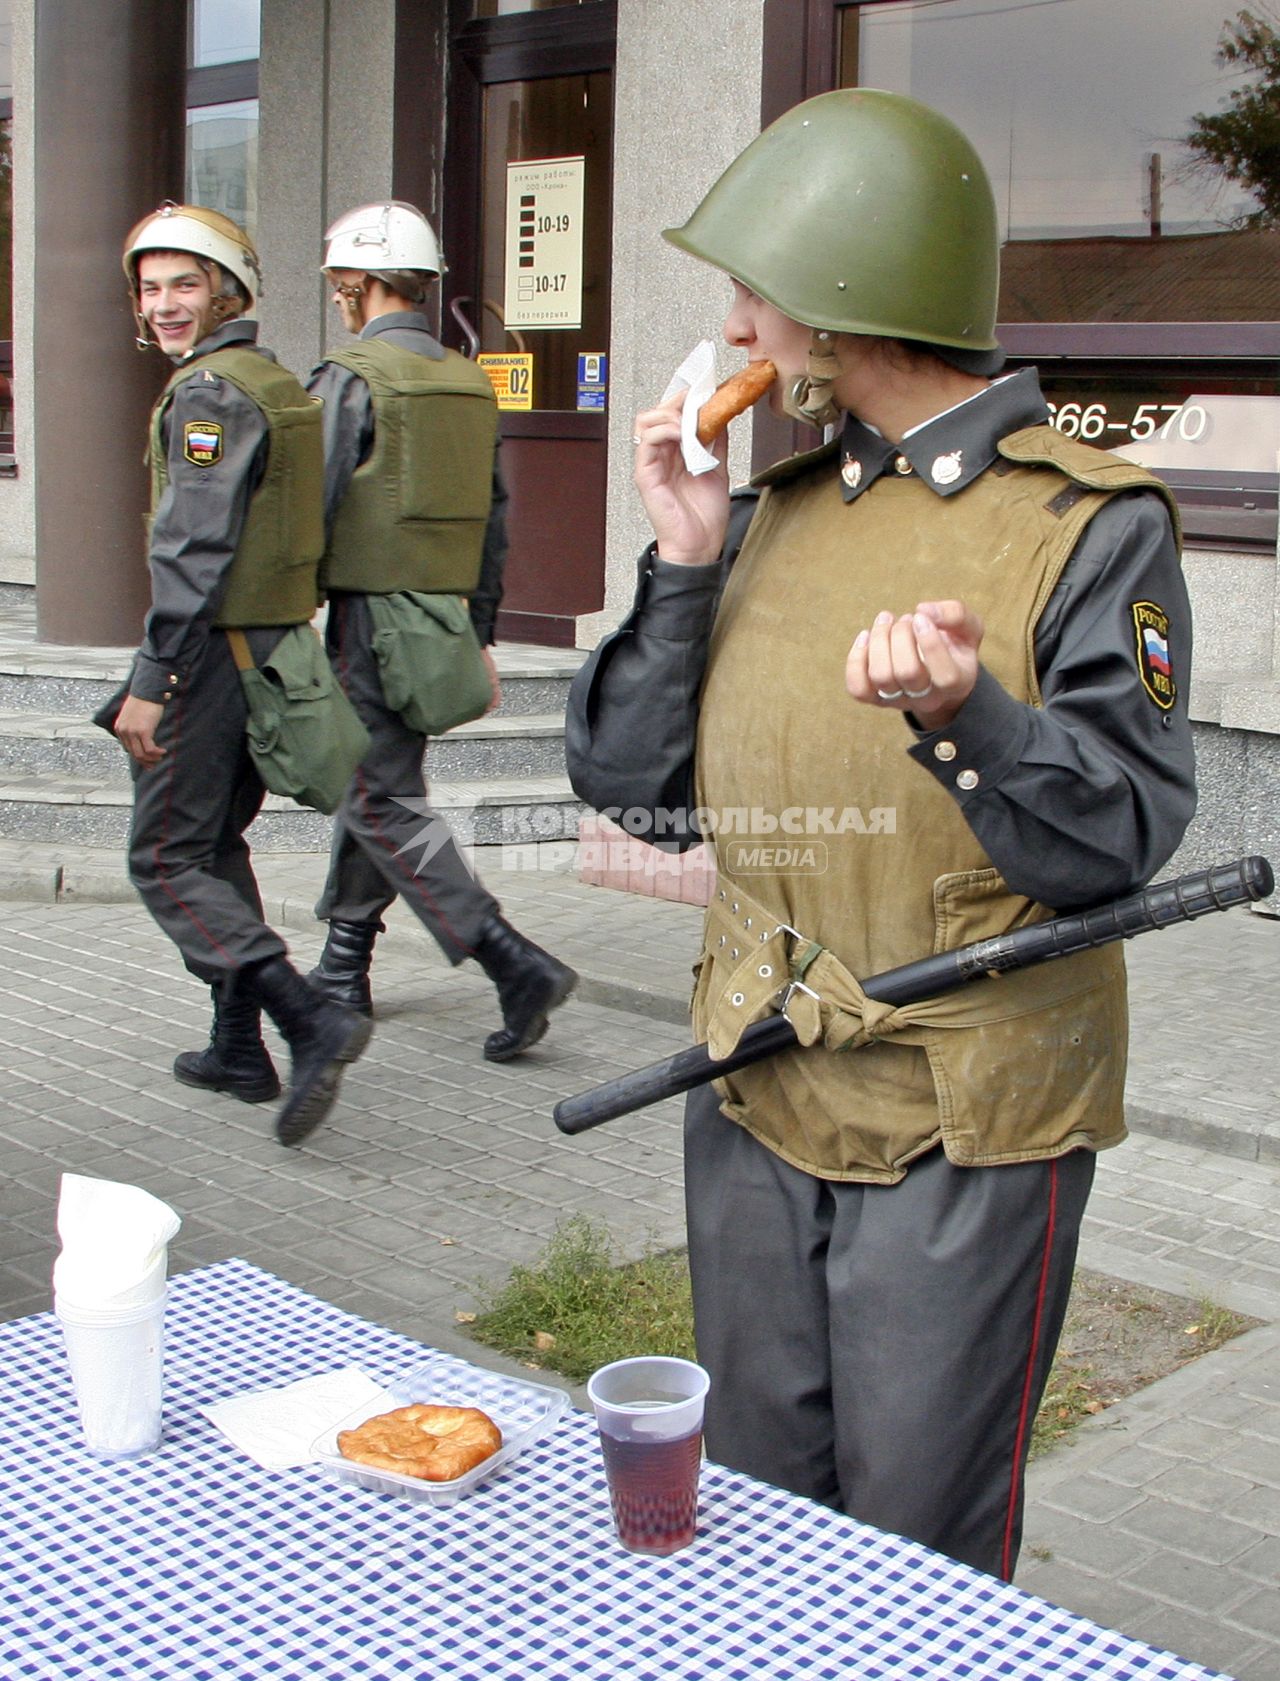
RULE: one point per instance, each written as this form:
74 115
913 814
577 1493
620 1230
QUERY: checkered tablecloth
193 1564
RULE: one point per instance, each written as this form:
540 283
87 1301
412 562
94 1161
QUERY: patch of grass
577 1308
1069 1398
1214 1325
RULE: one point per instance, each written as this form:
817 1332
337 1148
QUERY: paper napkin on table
698 373
278 1428
115 1243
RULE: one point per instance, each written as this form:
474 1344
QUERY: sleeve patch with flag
202 442
1155 665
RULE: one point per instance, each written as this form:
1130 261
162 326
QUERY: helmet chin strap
810 396
221 309
353 293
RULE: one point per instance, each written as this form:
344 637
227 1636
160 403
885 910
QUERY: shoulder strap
238 642
1094 469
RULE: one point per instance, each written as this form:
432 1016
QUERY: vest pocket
1033 1083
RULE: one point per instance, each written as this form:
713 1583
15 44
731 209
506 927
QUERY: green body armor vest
415 514
274 572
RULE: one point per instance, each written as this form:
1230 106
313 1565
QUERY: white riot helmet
387 238
204 233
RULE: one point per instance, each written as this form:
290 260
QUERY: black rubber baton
1180 900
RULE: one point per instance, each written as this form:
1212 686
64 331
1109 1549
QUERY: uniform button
738 1000
967 779
945 750
168 694
901 465
173 677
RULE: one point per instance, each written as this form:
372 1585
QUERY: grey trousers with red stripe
188 857
881 1348
387 840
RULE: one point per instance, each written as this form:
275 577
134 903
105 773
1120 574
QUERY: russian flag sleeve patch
202 442
1155 664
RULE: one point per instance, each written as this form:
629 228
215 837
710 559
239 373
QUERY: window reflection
6 237
6 49
224 31
6 200
222 160
501 8
1111 210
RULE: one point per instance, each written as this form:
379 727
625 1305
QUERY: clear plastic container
523 1412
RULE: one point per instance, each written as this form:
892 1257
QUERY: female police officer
938 618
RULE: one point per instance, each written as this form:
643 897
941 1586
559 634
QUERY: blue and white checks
192 1564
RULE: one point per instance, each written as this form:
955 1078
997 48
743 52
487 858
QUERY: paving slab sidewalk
438 1171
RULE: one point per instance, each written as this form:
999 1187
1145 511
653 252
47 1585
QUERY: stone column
672 137
351 100
108 130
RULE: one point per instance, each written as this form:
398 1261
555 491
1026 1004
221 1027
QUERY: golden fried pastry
435 1443
733 398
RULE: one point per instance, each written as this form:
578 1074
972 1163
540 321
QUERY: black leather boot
322 1038
530 983
343 970
235 1060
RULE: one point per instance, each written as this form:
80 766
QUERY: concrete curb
91 880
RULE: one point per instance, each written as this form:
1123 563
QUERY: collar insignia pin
851 472
946 469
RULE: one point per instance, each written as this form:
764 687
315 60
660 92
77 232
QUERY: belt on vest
769 966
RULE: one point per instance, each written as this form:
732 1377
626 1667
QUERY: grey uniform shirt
348 439
200 517
1076 801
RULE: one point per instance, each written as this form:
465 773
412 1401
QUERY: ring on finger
891 694
918 694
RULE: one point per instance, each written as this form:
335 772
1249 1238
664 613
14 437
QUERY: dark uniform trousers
910 1325
188 857
386 838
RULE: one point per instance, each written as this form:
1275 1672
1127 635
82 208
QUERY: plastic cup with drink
649 1414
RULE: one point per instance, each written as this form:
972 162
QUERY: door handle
473 337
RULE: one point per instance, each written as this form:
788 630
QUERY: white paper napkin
698 373
277 1428
115 1243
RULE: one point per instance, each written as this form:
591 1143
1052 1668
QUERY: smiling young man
934 616
236 534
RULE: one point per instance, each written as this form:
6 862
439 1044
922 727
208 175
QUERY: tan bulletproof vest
415 514
273 578
840 857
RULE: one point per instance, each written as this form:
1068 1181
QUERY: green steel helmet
860 212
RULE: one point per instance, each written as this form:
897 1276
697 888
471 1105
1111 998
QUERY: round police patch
202 442
1155 663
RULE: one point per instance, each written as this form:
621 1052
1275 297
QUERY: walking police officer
413 503
236 536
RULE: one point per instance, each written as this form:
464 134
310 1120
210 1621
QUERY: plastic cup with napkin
110 1285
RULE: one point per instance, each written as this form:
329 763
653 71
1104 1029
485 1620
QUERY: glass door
528 205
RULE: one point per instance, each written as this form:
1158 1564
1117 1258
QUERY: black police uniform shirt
348 423
200 517
1076 801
